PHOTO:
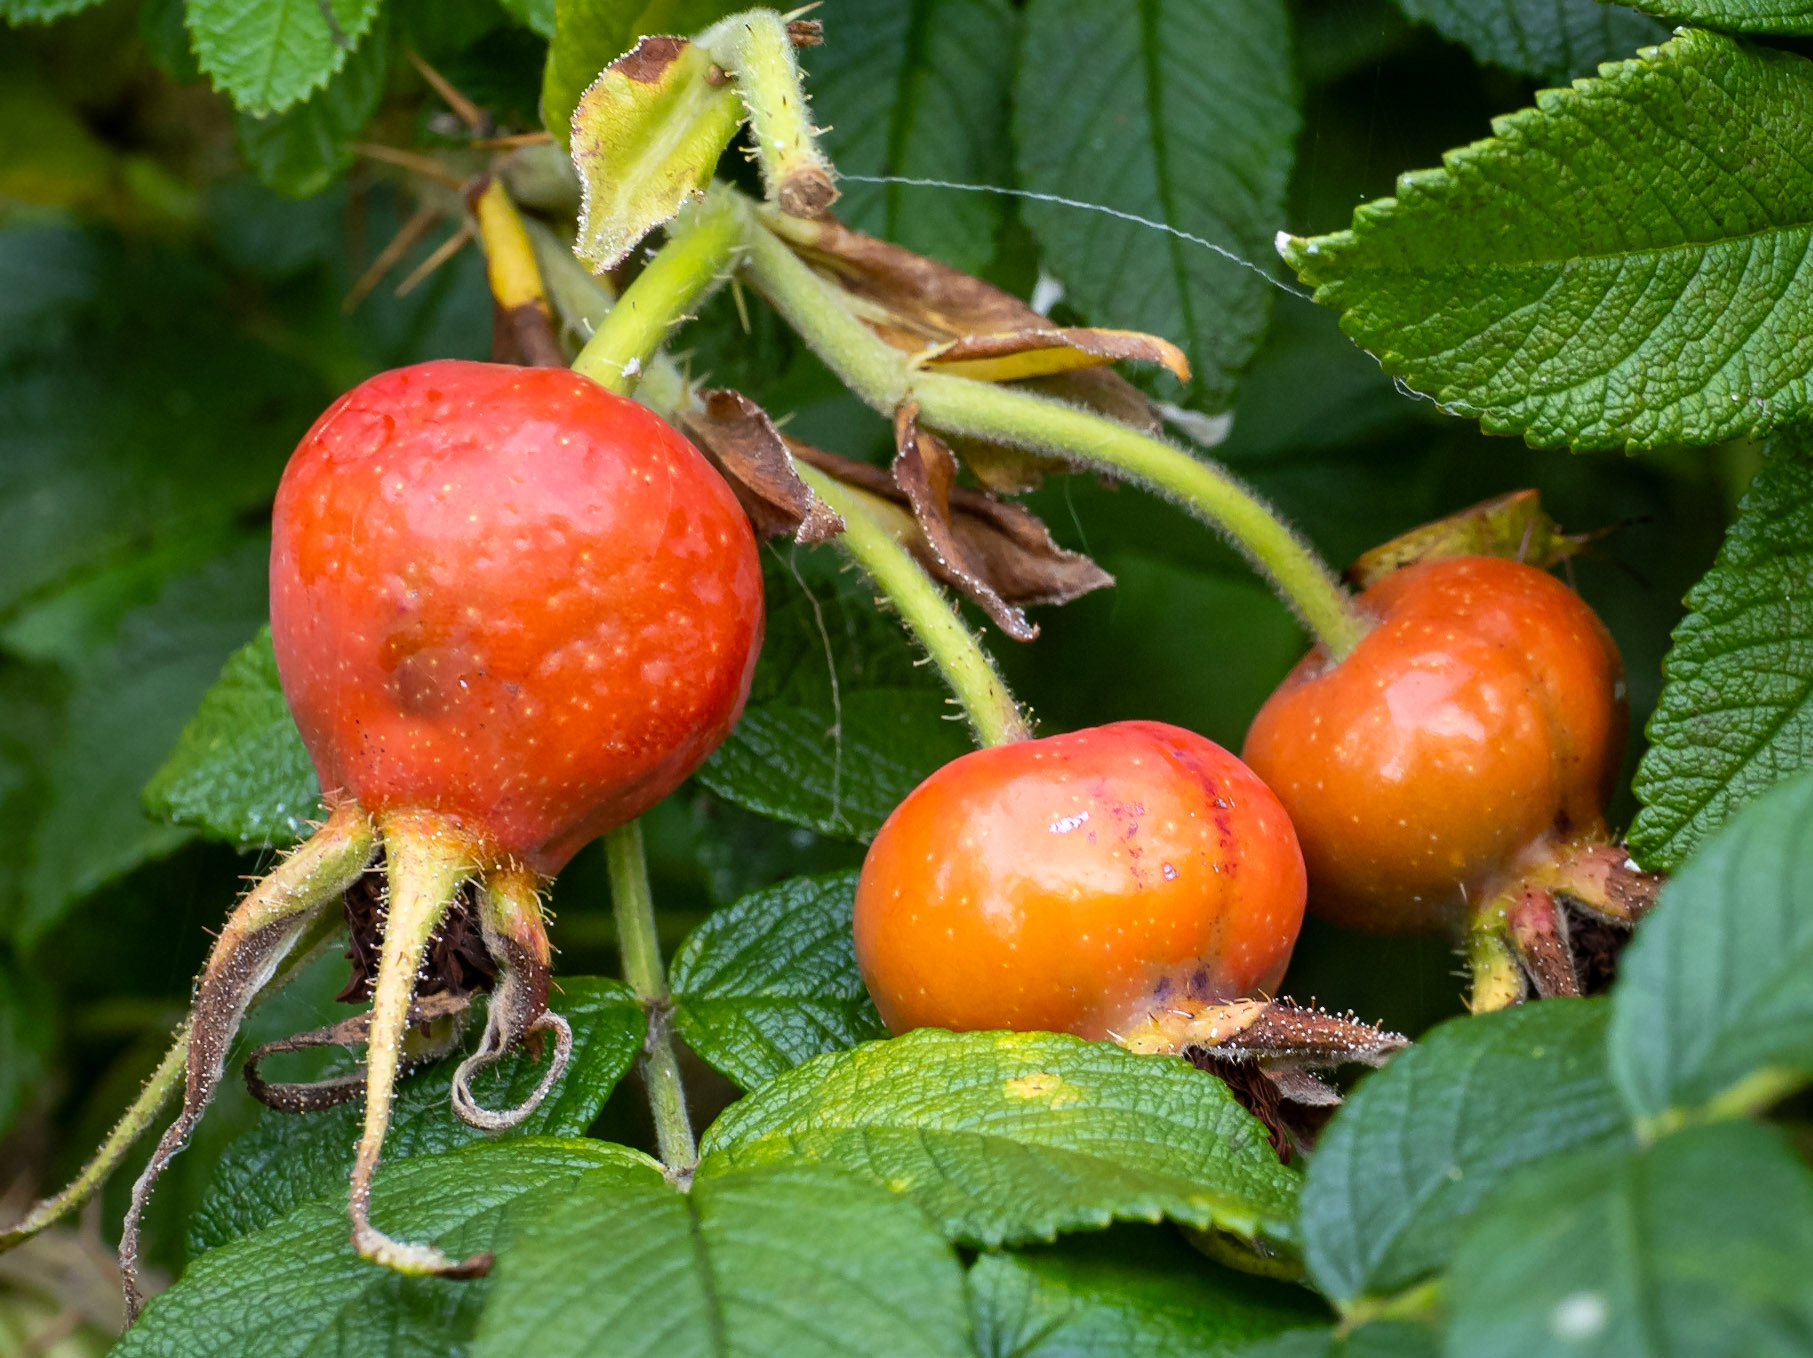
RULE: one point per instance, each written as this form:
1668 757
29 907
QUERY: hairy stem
757 50
699 254
634 908
937 626
883 378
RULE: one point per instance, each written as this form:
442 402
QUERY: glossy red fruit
1065 884
1481 719
511 597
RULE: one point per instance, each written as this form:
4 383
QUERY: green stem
698 255
634 908
756 49
966 667
883 378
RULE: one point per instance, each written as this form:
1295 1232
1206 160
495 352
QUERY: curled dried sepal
1003 555
1512 525
742 443
922 307
261 931
954 321
1555 924
1272 1033
509 909
647 136
1043 351
435 1028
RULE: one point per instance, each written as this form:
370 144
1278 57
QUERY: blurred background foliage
174 280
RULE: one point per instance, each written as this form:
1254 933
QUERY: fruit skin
1481 719
512 597
1062 884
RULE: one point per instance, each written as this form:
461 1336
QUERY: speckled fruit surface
1484 712
512 597
1061 884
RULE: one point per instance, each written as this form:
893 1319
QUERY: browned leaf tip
649 59
739 439
1512 525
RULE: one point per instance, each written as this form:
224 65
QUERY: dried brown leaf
739 439
1045 350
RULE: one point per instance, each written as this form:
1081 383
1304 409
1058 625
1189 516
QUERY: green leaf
269 54
298 1288
590 34
919 89
1013 1137
1703 1245
1126 1291
1422 1143
1381 1339
1619 267
647 137
771 981
301 151
27 1037
31 725
791 1259
125 710
1716 989
841 723
162 29
41 11
535 15
1550 39
115 444
1737 16
1736 711
239 771
285 1161
1179 111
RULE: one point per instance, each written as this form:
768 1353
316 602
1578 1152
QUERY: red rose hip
511 597
1068 883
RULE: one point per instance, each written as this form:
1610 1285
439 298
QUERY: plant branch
870 540
699 254
883 378
634 908
757 50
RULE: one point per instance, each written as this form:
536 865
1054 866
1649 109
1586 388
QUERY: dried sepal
739 439
1046 350
1513 525
924 308
436 1026
1004 556
1276 1034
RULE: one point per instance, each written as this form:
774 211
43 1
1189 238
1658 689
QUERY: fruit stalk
990 709
883 378
756 48
634 908
699 254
